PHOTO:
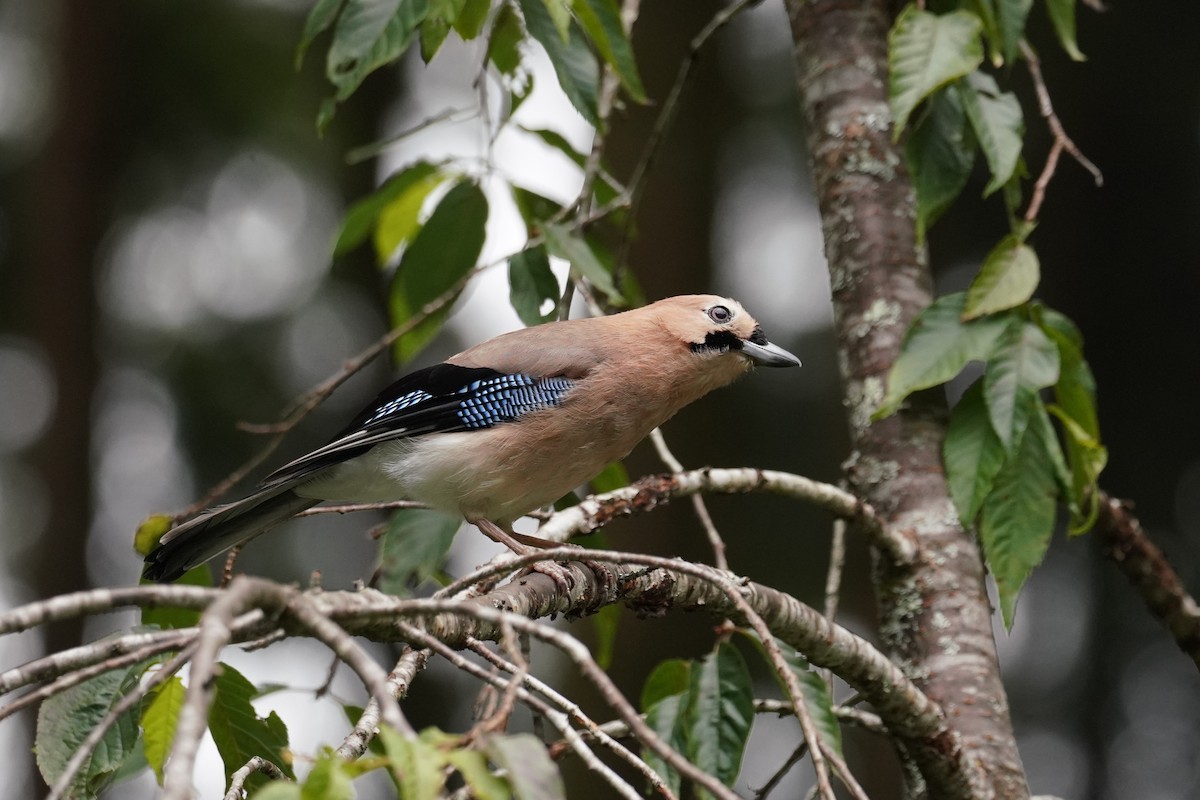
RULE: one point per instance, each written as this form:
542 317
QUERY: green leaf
936 348
927 51
531 773
239 733
606 623
504 43
559 143
720 710
601 19
414 548
664 697
611 478
1062 17
437 260
576 68
534 208
416 764
328 780
370 34
998 123
438 22
817 699
560 14
561 242
940 155
1008 278
168 618
65 720
360 220
158 723
972 452
319 19
277 790
531 285
469 22
1024 362
399 221
1017 518
1011 16
473 767
1075 398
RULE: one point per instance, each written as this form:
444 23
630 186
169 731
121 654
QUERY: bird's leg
513 541
522 543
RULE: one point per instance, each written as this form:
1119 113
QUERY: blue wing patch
437 399
507 397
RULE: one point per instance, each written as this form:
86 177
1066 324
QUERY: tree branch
1147 568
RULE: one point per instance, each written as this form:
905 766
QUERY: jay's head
718 327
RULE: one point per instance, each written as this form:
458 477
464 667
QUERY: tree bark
935 614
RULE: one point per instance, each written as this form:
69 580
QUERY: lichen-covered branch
936 620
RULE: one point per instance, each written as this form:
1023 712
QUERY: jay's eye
720 314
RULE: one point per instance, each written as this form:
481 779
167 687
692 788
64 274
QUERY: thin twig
1061 140
398 680
701 508
237 781
372 149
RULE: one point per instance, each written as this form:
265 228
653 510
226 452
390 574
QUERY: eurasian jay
505 427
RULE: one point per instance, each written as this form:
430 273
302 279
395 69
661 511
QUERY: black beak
766 354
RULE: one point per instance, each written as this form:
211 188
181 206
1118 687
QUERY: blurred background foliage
167 213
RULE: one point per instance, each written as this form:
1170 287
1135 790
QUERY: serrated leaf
601 20
576 67
473 767
936 348
1017 518
531 773
1010 17
319 19
532 285
972 452
986 11
719 712
663 699
940 154
158 723
998 123
328 779
438 21
504 43
370 34
439 257
414 548
1024 362
561 242
1008 278
238 731
399 221
360 220
469 22
1062 17
65 720
927 51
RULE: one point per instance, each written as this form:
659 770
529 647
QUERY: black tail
218 529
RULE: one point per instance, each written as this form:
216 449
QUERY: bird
502 428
